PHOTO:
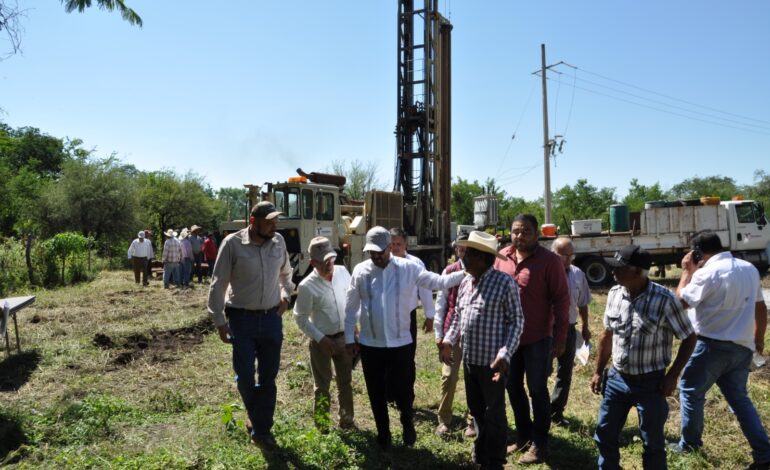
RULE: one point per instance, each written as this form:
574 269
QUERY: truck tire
434 264
597 272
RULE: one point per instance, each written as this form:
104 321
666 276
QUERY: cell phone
697 254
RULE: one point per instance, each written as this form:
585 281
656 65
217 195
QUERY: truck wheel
597 272
434 264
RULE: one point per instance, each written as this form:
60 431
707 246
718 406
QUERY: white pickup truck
666 232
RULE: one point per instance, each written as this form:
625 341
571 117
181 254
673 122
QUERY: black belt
335 335
658 374
706 338
250 312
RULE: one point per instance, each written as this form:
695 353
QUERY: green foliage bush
13 271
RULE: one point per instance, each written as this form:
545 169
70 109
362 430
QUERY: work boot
442 430
470 431
534 455
517 447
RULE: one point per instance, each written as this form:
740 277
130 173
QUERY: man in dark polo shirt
544 294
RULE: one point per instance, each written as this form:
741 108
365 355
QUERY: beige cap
320 249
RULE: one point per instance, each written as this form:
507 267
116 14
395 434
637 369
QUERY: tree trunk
28 259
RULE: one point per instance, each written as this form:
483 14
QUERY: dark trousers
197 269
257 338
387 369
139 265
413 332
532 361
486 402
564 366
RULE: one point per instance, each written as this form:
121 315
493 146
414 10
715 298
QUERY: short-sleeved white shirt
722 297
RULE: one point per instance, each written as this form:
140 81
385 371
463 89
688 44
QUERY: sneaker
518 447
676 448
442 430
534 455
470 431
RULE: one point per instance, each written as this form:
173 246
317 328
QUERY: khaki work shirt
249 276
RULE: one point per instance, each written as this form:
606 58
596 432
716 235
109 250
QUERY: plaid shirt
488 314
172 251
643 328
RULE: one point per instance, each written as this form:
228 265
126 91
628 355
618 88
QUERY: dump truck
665 230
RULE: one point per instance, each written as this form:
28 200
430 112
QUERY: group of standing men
502 315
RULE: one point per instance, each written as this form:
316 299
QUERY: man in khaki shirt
320 314
251 286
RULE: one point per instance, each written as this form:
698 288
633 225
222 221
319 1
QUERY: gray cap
265 210
320 249
377 239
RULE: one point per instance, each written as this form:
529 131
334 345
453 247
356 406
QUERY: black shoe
384 441
410 435
560 421
759 466
266 442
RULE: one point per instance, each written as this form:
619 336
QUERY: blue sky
251 90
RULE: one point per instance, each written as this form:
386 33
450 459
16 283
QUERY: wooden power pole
546 142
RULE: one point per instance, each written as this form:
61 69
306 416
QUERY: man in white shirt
320 313
139 253
379 299
726 308
398 240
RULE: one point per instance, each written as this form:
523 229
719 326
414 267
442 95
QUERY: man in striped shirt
488 320
640 321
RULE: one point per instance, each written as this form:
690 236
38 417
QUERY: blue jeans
486 402
256 338
534 360
186 268
169 270
726 364
620 394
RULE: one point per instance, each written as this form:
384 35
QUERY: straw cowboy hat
195 228
183 234
169 233
481 241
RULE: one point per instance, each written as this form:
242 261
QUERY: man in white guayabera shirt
379 298
729 315
320 313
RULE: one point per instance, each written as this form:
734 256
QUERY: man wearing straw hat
488 320
172 256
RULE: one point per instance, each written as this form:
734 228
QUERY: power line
516 130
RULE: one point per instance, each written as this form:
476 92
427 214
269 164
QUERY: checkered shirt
643 328
489 317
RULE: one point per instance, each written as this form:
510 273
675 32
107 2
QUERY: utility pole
546 141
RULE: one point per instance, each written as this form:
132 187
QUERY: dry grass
155 390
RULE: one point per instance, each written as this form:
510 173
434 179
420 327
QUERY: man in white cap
379 298
172 256
250 289
139 252
488 320
320 313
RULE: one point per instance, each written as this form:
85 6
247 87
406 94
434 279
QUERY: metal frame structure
423 130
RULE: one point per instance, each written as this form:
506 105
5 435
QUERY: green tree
695 187
233 202
65 246
581 201
110 5
760 190
361 177
638 194
463 193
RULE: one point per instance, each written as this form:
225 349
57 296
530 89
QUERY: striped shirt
488 316
643 328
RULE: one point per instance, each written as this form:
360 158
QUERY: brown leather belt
335 335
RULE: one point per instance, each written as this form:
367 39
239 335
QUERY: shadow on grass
398 456
15 370
282 458
11 435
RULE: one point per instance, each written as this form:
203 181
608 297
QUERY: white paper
583 352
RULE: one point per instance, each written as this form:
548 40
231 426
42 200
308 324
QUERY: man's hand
352 349
759 344
596 383
558 349
224 333
668 385
438 343
500 366
427 326
327 346
445 353
586 333
282 306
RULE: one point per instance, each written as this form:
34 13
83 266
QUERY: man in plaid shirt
640 322
488 320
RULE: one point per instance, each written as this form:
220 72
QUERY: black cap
265 210
631 255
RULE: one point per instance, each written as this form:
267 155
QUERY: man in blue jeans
729 315
251 286
640 321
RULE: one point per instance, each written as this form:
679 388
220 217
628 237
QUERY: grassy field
117 376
